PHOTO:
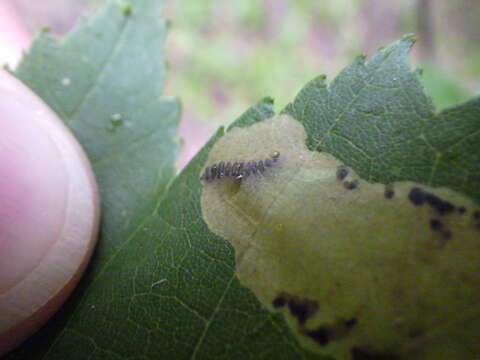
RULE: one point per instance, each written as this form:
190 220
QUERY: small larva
239 170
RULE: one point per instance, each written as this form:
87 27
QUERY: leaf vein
344 110
212 317
101 70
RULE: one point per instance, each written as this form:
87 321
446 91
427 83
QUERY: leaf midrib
101 70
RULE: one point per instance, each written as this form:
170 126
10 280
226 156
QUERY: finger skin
49 212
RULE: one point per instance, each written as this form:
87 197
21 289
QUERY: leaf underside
160 284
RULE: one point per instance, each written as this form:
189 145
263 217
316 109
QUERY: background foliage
216 50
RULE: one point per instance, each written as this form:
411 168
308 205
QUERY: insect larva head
275 155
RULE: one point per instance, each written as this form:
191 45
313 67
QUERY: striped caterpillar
238 170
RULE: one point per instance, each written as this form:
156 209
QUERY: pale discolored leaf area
355 267
161 285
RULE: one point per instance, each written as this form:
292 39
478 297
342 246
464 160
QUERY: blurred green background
226 55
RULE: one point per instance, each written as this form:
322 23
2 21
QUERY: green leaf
161 285
375 117
104 80
295 225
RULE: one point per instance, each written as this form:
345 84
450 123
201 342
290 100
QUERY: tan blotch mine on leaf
357 269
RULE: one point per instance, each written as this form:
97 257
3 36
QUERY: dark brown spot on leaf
441 206
302 309
350 323
389 193
321 336
350 185
436 225
416 196
279 301
363 354
342 173
461 209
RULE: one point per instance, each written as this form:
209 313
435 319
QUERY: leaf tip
268 100
7 68
361 57
126 9
320 80
45 29
410 38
